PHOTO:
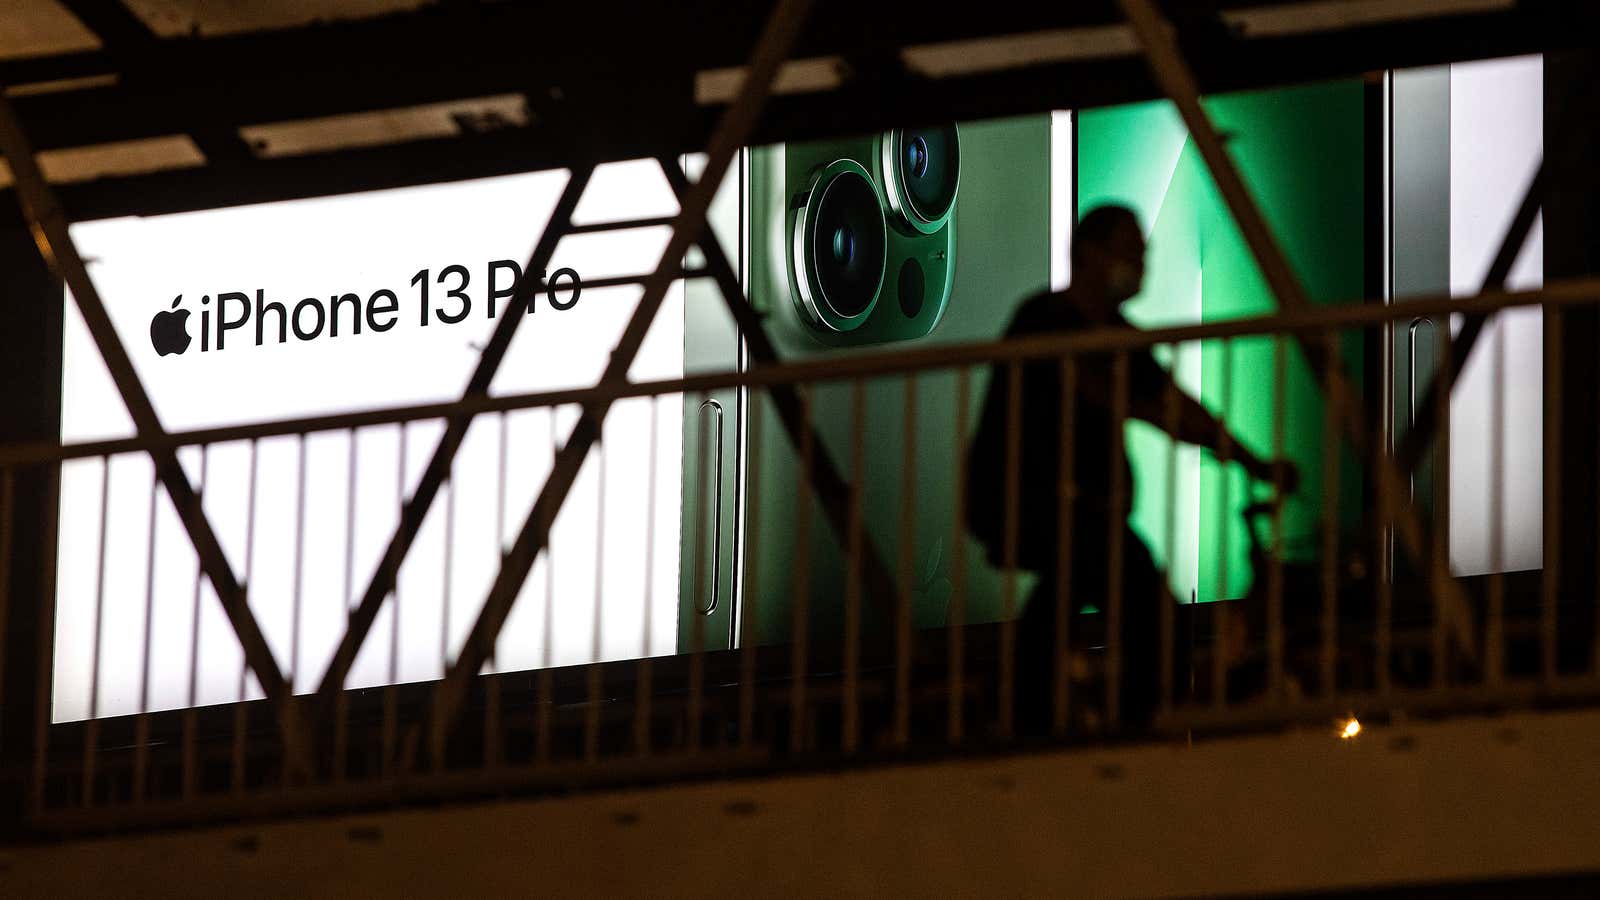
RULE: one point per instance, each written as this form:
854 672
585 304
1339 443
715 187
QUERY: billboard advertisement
338 304
687 526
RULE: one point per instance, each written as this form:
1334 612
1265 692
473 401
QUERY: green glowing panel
1300 151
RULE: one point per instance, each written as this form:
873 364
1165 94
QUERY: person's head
1108 253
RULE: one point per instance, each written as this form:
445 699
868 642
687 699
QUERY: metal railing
855 673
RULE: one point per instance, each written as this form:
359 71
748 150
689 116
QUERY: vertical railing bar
141 735
240 714
750 598
448 486
801 602
1382 450
92 726
1116 525
1066 499
400 506
299 568
1222 603
448 567
390 730
1594 651
1439 552
704 575
297 589
341 734
43 638
1554 385
249 545
1330 523
500 495
644 696
1275 642
492 739
1009 549
545 710
591 717
904 636
341 717
190 723
7 529
957 618
1494 635
852 583
1167 613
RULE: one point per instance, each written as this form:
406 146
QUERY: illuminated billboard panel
338 304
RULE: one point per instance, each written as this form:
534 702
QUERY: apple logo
169 329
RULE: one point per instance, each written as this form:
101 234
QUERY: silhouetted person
1107 269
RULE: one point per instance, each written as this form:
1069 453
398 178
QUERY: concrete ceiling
40 28
308 97
46 27
212 18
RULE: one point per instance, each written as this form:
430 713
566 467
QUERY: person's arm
1197 426
1148 384
1148 399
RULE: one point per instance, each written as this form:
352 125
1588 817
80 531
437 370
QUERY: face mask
1122 280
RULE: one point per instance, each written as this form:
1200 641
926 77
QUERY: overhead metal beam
119 30
55 244
396 61
128 42
556 41
434 55
413 54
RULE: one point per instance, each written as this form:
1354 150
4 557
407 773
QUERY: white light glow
1062 212
318 248
1496 142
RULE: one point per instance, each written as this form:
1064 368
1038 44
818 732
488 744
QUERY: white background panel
1496 141
359 244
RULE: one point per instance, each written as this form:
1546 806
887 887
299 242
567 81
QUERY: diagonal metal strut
1560 156
831 487
1178 82
433 477
49 226
777 37
1415 443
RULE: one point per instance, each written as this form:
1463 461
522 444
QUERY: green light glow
1301 154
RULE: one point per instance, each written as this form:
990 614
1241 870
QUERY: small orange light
1351 728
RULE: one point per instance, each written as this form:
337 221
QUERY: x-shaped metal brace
49 225
1178 82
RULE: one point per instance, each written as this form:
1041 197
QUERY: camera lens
844 245
917 157
840 246
921 171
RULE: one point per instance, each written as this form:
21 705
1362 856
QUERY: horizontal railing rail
1566 292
